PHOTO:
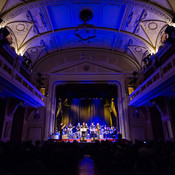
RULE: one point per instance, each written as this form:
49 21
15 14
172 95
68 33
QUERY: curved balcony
159 81
13 83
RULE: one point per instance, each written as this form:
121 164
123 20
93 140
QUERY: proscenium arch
124 56
50 117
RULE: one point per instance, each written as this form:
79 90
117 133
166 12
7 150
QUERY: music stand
83 132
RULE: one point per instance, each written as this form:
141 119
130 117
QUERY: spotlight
147 61
133 79
126 93
27 63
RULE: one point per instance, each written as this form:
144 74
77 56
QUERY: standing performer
61 127
92 130
98 128
84 128
78 130
70 127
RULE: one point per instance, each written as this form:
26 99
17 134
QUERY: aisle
87 167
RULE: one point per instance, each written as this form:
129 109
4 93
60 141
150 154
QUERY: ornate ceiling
125 29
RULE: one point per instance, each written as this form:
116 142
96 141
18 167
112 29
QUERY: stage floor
87 140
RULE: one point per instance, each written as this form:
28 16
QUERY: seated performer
78 130
69 129
98 128
105 133
92 130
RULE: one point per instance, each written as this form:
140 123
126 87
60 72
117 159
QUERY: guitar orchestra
87 132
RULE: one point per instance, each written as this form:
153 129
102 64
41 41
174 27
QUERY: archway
90 103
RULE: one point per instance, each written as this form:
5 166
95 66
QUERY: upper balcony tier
158 78
14 79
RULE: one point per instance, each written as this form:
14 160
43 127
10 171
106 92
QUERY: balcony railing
30 93
164 72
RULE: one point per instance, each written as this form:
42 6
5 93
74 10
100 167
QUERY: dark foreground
99 158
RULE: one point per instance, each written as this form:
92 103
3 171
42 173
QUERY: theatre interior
87 76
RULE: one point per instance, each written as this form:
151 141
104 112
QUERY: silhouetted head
173 20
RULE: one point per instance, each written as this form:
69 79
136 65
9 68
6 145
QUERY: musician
105 132
78 130
61 127
112 132
98 128
84 126
108 132
69 129
92 130
115 132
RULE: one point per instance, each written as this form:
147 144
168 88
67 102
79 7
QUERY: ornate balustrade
13 81
161 79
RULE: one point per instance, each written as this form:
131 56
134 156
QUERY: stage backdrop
79 110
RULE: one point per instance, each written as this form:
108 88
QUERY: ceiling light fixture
85 31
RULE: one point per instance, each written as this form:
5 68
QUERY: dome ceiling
43 28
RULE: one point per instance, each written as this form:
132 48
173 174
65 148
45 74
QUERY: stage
87 140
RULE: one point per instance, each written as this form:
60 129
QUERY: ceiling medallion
138 49
20 27
34 50
85 31
152 25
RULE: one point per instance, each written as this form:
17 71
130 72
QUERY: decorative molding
34 4
152 29
87 66
138 52
25 39
3 3
20 30
37 39
116 54
34 52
